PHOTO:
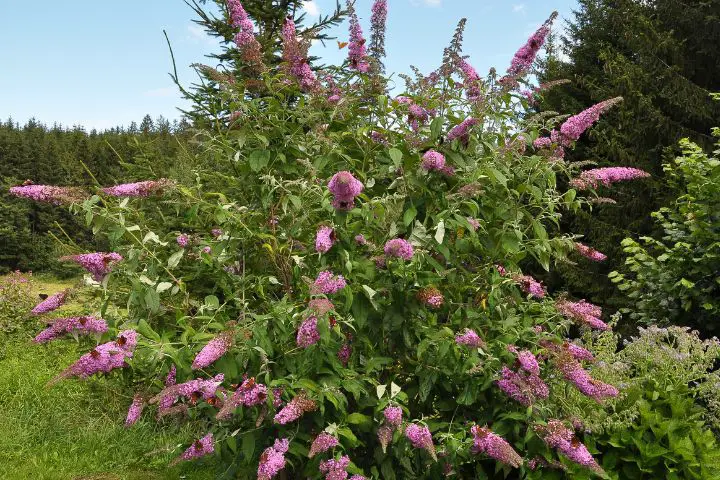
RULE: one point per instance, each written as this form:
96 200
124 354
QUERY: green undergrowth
74 429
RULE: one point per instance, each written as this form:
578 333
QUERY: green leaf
162 286
144 329
396 156
152 300
248 446
259 159
498 176
212 302
357 419
436 128
409 215
175 258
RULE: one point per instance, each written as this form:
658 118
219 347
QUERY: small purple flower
295 57
294 410
582 312
248 394
530 286
344 353
577 124
103 358
606 176
361 240
138 189
335 469
433 160
98 264
74 325
324 239
474 223
589 252
207 250
272 460
393 416
462 130
49 193
556 435
400 248
322 443
192 389
135 410
216 232
328 283
53 302
199 448
471 80
470 339
344 188
542 142
356 46
524 58
494 446
308 333
182 240
213 350
420 437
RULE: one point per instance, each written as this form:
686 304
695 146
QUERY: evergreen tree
661 56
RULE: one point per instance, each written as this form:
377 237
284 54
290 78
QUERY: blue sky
100 64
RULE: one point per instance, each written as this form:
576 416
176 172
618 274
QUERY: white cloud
197 33
162 92
519 8
311 7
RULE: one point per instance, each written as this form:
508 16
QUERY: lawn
74 429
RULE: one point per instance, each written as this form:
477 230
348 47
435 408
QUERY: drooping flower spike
49 193
98 264
200 448
213 350
53 302
494 446
138 189
75 325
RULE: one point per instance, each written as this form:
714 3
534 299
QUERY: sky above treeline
101 64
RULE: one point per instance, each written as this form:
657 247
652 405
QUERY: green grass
75 430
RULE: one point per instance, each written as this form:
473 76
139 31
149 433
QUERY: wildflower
272 459
321 306
195 389
420 437
250 49
49 193
377 29
528 362
207 250
580 353
167 401
582 312
400 248
344 353
471 80
356 46
307 333
556 435
344 188
385 435
295 409
542 142
75 325
335 469
474 222
99 264
524 386
277 397
249 394
393 416
606 176
574 373
361 240
462 130
469 338
328 283
135 410
182 240
199 448
589 252
216 232
417 116
433 160
525 56
530 286
324 239
137 189
295 57
53 302
432 297
103 358
574 126
213 350
501 270
494 446
322 443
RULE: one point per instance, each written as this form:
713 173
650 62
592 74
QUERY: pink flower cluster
104 358
295 57
433 160
199 448
248 394
324 239
356 47
542 142
135 410
344 353
574 126
272 459
322 443
137 189
49 193
393 416
580 353
182 240
167 401
53 302
335 469
98 264
344 187
606 176
377 28
494 446
399 248
420 437
213 350
471 80
530 286
245 39
556 435
432 297
308 334
295 409
524 58
470 339
574 373
74 325
192 389
582 312
462 130
589 252
328 283
524 385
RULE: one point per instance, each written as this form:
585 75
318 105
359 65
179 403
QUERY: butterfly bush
350 295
